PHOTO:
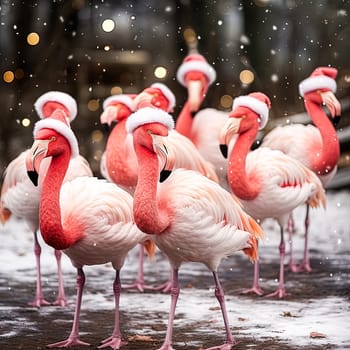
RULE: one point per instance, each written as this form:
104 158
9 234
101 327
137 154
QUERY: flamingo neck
147 213
326 158
121 169
243 185
184 121
50 211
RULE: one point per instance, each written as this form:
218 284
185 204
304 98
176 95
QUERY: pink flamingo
203 127
93 226
19 197
191 217
119 164
269 183
317 146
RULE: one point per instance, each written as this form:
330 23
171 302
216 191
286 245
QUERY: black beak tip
336 120
33 175
224 150
105 127
164 174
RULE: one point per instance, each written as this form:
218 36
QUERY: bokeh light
160 72
33 39
96 136
246 77
226 101
8 76
93 105
25 122
108 25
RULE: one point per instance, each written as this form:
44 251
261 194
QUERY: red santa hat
258 103
168 94
320 78
52 100
125 99
56 110
147 115
195 62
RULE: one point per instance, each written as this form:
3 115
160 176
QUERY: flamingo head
197 84
114 113
248 113
150 128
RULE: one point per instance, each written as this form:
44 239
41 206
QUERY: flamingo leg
139 283
115 340
73 338
39 297
256 286
291 229
220 296
61 297
305 264
175 291
281 292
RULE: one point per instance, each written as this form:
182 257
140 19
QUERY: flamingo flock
190 187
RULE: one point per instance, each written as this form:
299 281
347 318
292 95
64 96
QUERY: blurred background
93 49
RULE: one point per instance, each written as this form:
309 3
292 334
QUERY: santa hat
122 98
320 78
258 103
57 119
47 102
195 62
147 115
168 94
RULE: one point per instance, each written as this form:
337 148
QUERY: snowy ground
318 301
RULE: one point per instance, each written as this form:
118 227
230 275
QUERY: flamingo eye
53 138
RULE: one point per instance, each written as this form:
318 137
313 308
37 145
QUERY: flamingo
19 197
269 183
317 146
93 226
191 217
119 163
201 127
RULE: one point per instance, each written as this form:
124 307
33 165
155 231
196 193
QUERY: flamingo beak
230 129
332 104
195 88
166 157
33 160
108 116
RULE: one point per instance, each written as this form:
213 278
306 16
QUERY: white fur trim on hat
60 97
255 105
199 66
167 93
122 98
317 82
149 115
60 127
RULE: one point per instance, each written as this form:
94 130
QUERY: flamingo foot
280 293
38 302
67 343
304 266
115 342
292 266
60 302
254 290
166 347
164 287
226 346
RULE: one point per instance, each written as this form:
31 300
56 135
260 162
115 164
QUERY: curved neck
149 217
184 121
50 211
244 186
329 152
122 169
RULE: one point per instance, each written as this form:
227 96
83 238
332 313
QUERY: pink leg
281 292
139 283
175 290
73 338
256 287
115 340
61 297
39 297
305 264
292 265
219 293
